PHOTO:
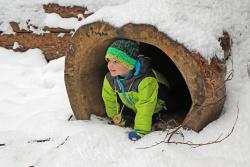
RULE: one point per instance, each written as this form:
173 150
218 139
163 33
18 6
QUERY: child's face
116 68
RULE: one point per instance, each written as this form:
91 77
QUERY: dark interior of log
180 101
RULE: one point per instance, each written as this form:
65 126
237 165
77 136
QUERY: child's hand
133 135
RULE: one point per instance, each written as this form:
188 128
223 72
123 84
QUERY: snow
203 21
195 24
16 45
63 23
21 10
34 103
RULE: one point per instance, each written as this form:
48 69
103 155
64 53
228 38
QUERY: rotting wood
51 43
67 11
52 46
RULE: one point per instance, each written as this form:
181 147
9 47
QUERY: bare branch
169 135
63 142
39 140
70 117
231 72
174 132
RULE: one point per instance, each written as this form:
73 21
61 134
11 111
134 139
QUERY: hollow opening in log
180 99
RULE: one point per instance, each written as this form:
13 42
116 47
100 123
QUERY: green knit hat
124 51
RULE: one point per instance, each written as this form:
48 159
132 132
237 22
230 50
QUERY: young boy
132 81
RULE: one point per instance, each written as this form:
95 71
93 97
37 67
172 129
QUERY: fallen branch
173 132
70 117
189 143
38 161
230 74
2 145
63 142
39 141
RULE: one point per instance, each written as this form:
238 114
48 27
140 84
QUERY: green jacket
140 95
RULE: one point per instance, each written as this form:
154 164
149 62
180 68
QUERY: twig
63 142
38 161
2 145
230 76
70 117
39 141
173 132
195 145
168 124
231 73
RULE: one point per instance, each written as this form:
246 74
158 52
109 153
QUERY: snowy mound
196 24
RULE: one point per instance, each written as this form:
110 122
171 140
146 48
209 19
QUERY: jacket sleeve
109 97
145 106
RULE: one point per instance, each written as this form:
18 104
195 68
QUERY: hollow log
85 70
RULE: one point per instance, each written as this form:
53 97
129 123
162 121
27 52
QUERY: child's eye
112 61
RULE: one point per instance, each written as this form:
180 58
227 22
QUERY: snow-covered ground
34 104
